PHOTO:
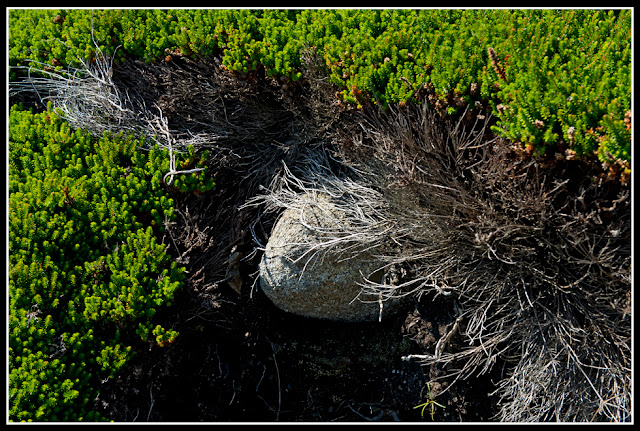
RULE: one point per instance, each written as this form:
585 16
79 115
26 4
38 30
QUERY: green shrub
86 273
568 69
558 76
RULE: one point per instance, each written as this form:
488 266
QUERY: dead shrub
535 256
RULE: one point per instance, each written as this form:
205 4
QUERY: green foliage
430 403
163 336
197 182
568 69
558 75
59 38
84 262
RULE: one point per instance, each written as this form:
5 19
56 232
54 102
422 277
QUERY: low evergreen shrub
557 80
86 271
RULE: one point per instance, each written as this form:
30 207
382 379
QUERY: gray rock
302 278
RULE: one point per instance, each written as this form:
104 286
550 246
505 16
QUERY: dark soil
240 359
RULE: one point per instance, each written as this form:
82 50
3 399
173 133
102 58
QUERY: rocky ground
238 358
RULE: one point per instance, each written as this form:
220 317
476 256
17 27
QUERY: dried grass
537 257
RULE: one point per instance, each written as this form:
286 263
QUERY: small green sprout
431 403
